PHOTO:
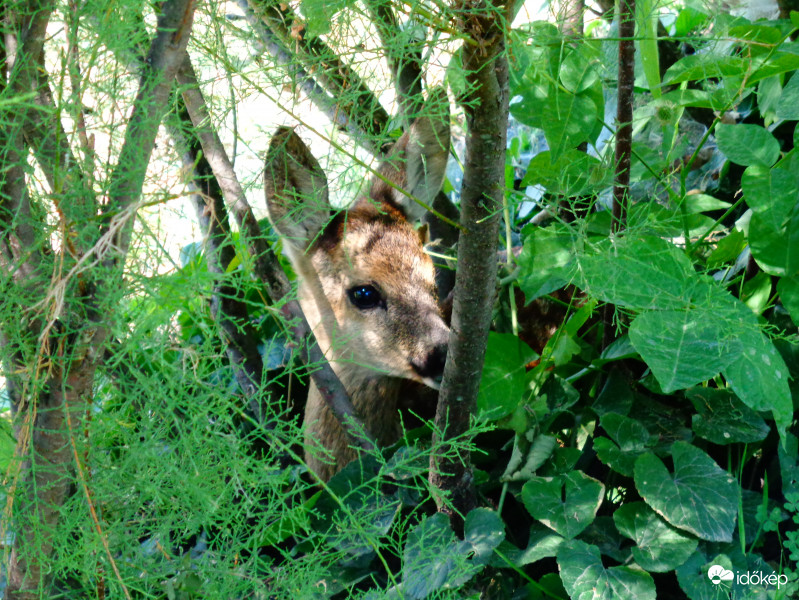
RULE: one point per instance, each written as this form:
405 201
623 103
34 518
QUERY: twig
317 93
228 310
158 75
404 58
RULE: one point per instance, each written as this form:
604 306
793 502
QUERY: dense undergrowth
646 452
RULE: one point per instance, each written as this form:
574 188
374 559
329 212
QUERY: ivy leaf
659 546
699 497
435 560
723 419
631 441
586 578
566 503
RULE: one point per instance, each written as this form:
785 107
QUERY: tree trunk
486 66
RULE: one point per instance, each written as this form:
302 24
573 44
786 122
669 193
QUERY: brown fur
371 244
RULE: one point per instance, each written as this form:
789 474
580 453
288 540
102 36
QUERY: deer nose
431 366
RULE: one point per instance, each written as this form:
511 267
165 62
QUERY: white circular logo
717 574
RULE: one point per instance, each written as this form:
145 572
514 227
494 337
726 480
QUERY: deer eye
365 297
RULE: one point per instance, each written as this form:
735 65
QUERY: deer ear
418 161
296 189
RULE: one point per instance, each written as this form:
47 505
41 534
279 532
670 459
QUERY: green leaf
647 20
758 374
659 546
631 441
567 121
763 36
527 104
774 239
291 521
788 289
319 14
769 91
484 531
434 559
774 226
586 578
723 419
779 62
638 273
504 380
573 174
530 451
558 394
688 19
747 145
682 348
727 249
546 261
578 72
756 292
788 104
699 203
567 512
542 543
699 497
694 581
704 66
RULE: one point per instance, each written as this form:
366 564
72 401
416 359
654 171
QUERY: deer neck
374 397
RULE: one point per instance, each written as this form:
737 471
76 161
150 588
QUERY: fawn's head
366 285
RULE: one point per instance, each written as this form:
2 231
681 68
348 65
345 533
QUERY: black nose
431 366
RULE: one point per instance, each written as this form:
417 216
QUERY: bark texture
486 65
624 137
67 333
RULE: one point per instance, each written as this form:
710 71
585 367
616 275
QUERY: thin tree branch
403 55
364 127
624 113
158 75
352 95
45 134
266 266
486 67
624 133
227 308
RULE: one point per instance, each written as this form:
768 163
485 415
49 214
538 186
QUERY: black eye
365 297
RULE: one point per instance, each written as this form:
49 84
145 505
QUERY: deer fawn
366 285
